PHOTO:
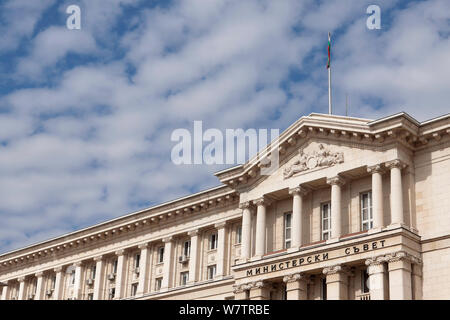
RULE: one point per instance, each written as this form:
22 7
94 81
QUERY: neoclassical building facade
358 209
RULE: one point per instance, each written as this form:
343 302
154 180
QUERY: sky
86 115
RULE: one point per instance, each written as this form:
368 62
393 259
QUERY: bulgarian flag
329 50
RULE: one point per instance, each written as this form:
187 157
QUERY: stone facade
357 209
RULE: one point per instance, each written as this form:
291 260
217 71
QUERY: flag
329 50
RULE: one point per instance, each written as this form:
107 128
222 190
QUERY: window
137 260
239 235
187 248
287 230
161 255
72 277
326 220
134 288
213 241
53 285
366 211
114 266
112 293
365 288
211 272
158 283
323 289
184 278
93 270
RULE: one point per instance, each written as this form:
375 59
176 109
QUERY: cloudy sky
86 115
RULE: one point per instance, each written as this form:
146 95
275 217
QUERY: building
358 209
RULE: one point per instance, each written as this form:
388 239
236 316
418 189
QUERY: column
297 215
240 291
99 275
193 257
417 279
77 285
296 285
399 265
377 195
39 286
57 293
396 167
221 249
337 282
167 267
5 290
144 274
259 291
377 272
121 274
336 224
260 246
246 231
21 295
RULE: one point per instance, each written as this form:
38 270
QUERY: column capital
257 284
120 252
302 191
39 274
193 233
395 164
21 279
375 261
337 180
77 264
335 269
220 225
245 205
378 168
294 277
144 245
58 269
263 201
239 288
98 258
167 239
402 256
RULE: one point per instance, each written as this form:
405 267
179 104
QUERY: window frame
184 275
369 220
158 283
286 229
213 275
323 231
161 254
238 235
187 249
137 260
213 243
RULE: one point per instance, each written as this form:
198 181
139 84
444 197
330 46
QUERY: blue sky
86 115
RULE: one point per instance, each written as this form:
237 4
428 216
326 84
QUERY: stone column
144 274
297 215
417 279
259 291
240 291
337 282
57 294
377 271
5 291
167 267
336 224
399 265
246 231
221 239
39 286
77 285
99 275
121 274
377 195
193 257
396 167
296 285
260 246
22 291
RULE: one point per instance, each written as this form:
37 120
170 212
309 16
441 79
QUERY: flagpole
330 108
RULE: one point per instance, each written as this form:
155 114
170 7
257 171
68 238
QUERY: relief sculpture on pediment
320 158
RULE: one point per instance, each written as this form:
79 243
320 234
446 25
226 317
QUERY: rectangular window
287 230
239 235
366 211
184 278
158 283
93 270
326 220
134 288
137 260
72 277
187 248
114 266
213 241
161 255
211 272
